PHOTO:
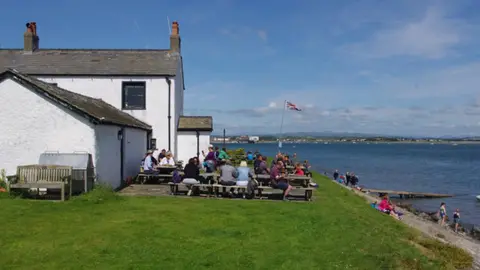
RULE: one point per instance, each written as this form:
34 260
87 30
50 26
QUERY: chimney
175 41
30 38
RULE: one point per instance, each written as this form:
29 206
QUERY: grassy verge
101 230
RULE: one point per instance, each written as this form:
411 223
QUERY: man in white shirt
148 162
168 160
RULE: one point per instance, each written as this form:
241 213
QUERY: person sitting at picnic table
244 174
191 175
209 159
228 176
306 168
299 170
148 163
260 165
162 154
168 160
222 155
287 161
278 179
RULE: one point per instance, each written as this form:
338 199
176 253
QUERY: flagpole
281 125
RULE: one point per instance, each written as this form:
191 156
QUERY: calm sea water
439 168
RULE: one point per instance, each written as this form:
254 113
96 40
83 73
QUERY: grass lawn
104 231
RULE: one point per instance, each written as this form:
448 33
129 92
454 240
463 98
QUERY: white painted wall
31 125
109 89
179 100
135 146
187 144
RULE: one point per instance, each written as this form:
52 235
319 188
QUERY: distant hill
332 134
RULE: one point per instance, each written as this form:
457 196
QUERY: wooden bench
174 187
293 180
214 189
308 191
42 176
144 177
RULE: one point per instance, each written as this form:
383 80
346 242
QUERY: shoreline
356 142
424 223
465 229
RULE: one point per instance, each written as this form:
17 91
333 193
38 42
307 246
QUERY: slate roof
84 62
96 110
193 123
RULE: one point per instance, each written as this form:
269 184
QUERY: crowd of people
348 179
218 160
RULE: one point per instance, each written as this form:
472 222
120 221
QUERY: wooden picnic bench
292 179
212 189
308 191
42 176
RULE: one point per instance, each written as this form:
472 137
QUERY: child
298 169
456 218
443 213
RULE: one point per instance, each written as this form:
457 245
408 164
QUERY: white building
147 84
194 133
38 117
253 139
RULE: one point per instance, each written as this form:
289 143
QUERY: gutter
169 82
198 143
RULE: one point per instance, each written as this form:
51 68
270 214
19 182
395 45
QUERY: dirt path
434 230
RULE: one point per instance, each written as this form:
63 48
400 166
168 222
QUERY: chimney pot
30 38
175 41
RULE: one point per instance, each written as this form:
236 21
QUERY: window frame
126 84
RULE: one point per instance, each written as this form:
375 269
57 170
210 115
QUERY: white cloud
433 36
262 34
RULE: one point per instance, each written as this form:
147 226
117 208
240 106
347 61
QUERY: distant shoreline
359 142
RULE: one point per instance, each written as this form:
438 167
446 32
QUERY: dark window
133 95
153 144
54 84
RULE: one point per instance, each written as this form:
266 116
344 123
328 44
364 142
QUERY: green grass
104 231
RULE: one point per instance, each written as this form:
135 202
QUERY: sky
379 67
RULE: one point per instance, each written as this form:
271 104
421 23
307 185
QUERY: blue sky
388 67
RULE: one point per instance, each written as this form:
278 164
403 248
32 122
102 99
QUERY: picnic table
294 180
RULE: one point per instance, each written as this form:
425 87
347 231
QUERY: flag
292 106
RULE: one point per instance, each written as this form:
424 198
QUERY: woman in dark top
191 170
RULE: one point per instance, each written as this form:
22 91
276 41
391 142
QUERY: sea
433 168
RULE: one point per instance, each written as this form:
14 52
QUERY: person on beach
341 179
443 213
456 219
353 179
335 175
347 179
387 207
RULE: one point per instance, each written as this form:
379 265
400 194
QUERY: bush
100 194
236 152
3 179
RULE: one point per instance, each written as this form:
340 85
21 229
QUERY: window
54 84
133 95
